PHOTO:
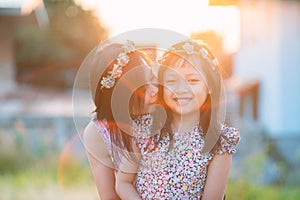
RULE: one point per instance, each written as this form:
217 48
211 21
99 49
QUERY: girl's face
185 89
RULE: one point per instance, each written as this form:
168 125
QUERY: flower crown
188 48
122 60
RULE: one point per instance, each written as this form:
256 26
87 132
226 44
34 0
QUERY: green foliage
241 189
35 47
12 160
51 55
25 173
77 28
73 172
20 151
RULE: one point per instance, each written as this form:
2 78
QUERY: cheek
150 96
154 90
201 88
167 95
201 93
146 99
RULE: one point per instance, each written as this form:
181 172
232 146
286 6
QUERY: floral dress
102 129
178 171
114 151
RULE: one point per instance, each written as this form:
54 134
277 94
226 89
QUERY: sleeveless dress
179 172
103 131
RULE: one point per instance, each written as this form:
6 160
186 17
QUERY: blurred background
43 43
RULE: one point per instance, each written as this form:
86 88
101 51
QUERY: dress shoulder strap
104 133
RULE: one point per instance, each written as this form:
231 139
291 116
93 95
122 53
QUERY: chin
185 111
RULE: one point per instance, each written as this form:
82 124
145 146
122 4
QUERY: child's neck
182 123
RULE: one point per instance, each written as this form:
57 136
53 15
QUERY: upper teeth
182 100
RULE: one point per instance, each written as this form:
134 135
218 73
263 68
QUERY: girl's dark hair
103 97
210 110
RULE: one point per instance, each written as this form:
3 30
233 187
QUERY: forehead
183 70
189 63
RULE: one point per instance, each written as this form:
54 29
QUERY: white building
270 51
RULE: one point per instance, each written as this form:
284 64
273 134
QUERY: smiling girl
191 157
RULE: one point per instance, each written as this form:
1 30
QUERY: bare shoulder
90 133
92 139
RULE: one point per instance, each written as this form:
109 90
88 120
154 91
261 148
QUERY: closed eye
170 81
193 80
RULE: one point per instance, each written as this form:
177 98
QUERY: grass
31 167
242 190
41 183
38 183
41 172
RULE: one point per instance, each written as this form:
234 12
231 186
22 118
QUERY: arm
125 187
218 172
125 178
100 163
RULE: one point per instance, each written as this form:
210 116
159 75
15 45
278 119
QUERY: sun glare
185 18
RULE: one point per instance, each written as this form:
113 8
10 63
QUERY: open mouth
182 100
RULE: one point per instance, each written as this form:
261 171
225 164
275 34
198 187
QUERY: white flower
122 59
188 48
160 59
204 52
173 49
215 62
129 46
117 71
108 82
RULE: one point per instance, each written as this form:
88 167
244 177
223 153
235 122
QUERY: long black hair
103 63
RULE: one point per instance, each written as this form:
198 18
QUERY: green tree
51 56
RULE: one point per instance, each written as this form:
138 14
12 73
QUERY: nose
181 87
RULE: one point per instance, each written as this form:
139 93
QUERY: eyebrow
171 75
188 75
193 74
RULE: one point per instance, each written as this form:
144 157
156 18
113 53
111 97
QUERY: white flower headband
122 61
188 48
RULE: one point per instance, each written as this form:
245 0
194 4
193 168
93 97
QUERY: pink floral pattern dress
103 131
178 171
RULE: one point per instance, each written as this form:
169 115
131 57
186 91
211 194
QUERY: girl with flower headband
191 157
119 78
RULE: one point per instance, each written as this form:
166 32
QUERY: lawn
75 182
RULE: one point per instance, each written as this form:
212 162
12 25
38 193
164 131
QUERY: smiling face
192 91
185 89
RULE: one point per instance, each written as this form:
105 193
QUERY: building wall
270 51
290 67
